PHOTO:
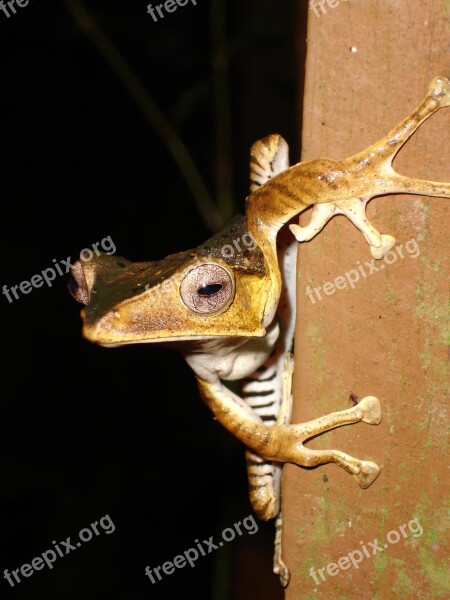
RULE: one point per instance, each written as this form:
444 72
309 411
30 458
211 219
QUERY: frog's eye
77 284
207 289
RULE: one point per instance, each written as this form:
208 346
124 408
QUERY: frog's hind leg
368 410
263 393
264 478
284 443
268 157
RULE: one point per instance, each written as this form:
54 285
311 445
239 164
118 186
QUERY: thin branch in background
211 216
220 58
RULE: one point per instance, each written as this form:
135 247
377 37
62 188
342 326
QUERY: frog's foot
368 410
279 566
355 210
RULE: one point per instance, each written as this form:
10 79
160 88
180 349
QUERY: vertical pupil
209 289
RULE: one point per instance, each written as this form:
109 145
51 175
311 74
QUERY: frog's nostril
77 284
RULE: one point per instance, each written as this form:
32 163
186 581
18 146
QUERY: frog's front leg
372 169
284 443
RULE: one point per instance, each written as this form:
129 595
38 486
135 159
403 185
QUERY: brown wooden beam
368 65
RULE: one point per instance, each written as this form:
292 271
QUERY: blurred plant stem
212 216
220 57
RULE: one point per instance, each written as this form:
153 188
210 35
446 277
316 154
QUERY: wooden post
368 65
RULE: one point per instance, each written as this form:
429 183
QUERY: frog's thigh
264 476
264 485
264 479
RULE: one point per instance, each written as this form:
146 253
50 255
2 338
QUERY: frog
229 304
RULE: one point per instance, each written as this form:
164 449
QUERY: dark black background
87 431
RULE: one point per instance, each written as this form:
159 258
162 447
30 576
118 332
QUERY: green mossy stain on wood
403 586
437 573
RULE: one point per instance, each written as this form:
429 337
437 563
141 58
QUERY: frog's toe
369 472
301 234
387 243
281 569
371 409
440 88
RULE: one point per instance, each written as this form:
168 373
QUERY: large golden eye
207 289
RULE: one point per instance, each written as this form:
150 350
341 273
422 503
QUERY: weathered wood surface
368 65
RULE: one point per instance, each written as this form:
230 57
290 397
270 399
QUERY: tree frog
228 305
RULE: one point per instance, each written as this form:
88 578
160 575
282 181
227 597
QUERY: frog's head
213 291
